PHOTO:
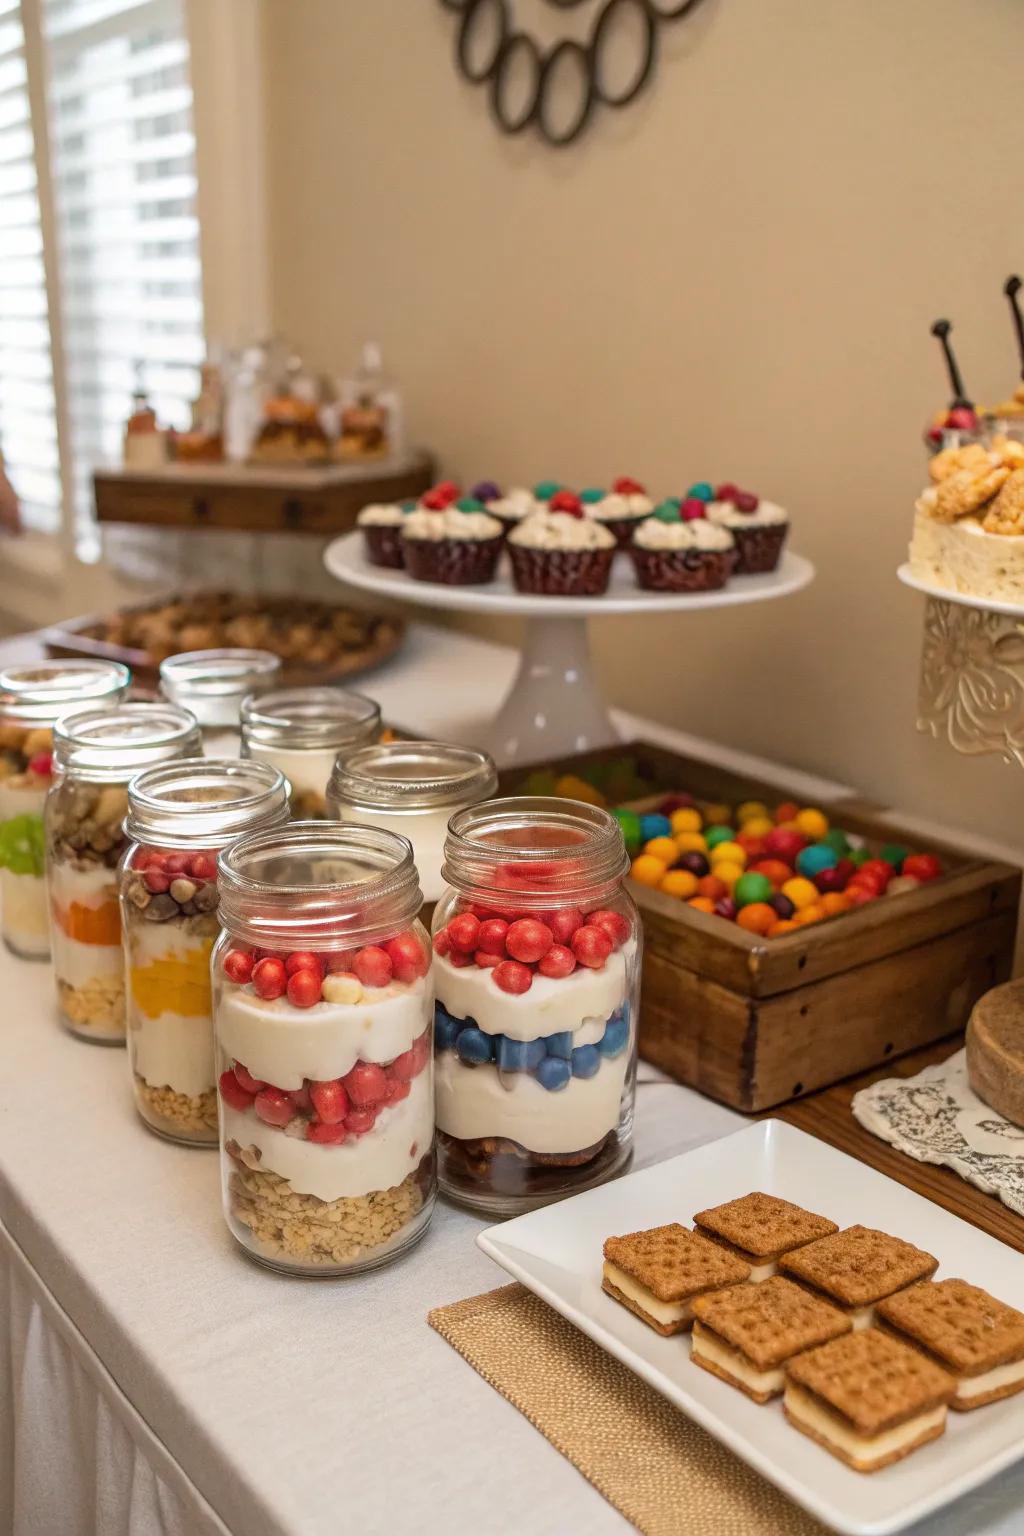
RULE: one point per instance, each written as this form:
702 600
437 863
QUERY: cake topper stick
1011 288
941 329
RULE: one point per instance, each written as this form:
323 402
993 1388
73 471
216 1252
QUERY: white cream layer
549 1007
426 830
173 1051
283 1045
379 1160
862 1449
962 557
76 963
152 941
970 1387
472 1102
665 1312
307 769
26 912
90 886
707 1346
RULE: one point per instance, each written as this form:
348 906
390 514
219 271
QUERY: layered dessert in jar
213 685
536 962
968 531
324 1004
179 816
96 752
412 788
303 732
33 696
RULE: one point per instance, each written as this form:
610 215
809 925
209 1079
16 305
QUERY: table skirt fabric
75 1457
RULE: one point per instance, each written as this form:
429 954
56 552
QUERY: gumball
859 856
880 870
751 810
860 895
654 825
712 888
755 826
686 820
800 892
545 489
894 854
784 925
629 824
837 840
752 888
664 848
729 850
829 880
701 904
753 847
647 870
812 914
679 801
845 868
834 902
716 814
773 870
728 872
781 905
812 823
469 504
696 863
787 811
691 842
901 884
571 787
679 882
784 844
757 917
923 866
725 907
702 490
811 861
718 833
691 509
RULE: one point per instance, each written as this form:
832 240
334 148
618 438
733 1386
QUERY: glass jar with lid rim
33 696
304 731
95 754
323 1004
180 816
213 685
412 788
537 972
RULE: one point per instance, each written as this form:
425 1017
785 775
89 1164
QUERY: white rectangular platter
556 1252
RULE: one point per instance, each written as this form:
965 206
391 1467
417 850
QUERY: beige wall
732 278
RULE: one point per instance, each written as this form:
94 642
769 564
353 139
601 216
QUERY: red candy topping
485 960
727 491
203 866
408 962
625 486
566 501
359 1121
464 932
366 1083
269 979
591 945
442 943
232 1092
491 937
373 966
511 976
304 988
41 764
303 960
156 879
273 1106
528 940
612 923
564 922
746 501
329 1100
692 509
558 962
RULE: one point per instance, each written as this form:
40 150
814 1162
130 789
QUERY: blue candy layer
552 1060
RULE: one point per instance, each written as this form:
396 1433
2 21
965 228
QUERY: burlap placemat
664 1473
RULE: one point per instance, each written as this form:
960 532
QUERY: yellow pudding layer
174 983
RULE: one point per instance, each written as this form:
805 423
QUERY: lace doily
937 1117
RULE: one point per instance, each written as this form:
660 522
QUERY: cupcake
457 544
680 550
759 528
381 524
558 552
622 509
510 508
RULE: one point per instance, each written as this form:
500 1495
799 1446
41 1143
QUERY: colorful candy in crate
772 871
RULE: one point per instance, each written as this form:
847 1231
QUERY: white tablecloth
154 1381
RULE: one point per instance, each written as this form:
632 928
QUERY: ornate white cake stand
971 691
555 706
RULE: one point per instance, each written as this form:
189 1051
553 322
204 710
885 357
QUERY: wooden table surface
828 1115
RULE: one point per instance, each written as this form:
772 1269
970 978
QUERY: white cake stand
555 706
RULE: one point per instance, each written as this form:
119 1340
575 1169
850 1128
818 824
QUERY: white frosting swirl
450 524
561 530
516 503
729 516
698 534
615 505
380 515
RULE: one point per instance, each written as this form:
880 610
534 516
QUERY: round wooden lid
995 1050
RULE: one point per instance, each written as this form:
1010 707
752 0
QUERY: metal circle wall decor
522 78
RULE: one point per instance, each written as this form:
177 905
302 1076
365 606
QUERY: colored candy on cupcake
759 527
677 551
510 509
559 552
451 539
381 524
621 509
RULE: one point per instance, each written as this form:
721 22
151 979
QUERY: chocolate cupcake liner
561 572
682 570
453 562
384 544
758 548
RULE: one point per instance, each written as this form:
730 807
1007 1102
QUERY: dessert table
154 1381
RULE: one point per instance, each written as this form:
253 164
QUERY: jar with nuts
33 695
180 815
95 753
304 732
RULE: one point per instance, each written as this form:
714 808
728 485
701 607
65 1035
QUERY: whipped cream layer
1000 1376
76 963
708 1346
962 557
615 506
551 1005
153 941
307 769
450 524
90 886
173 1051
474 1102
26 912
283 1045
768 515
667 1313
381 1159
699 535
561 530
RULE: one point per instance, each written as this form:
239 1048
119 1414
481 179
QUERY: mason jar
537 970
180 815
323 1005
412 788
303 731
95 753
213 684
33 695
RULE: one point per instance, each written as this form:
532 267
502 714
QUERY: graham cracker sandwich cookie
978 1339
857 1267
759 1229
868 1398
746 1333
658 1273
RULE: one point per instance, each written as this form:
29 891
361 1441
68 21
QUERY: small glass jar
412 788
213 684
324 1048
537 972
180 815
33 695
303 731
95 753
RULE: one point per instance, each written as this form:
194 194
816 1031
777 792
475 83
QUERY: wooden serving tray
758 1022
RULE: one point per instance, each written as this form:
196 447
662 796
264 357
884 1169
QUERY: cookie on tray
658 1273
760 1228
868 1398
857 1267
746 1333
965 1330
